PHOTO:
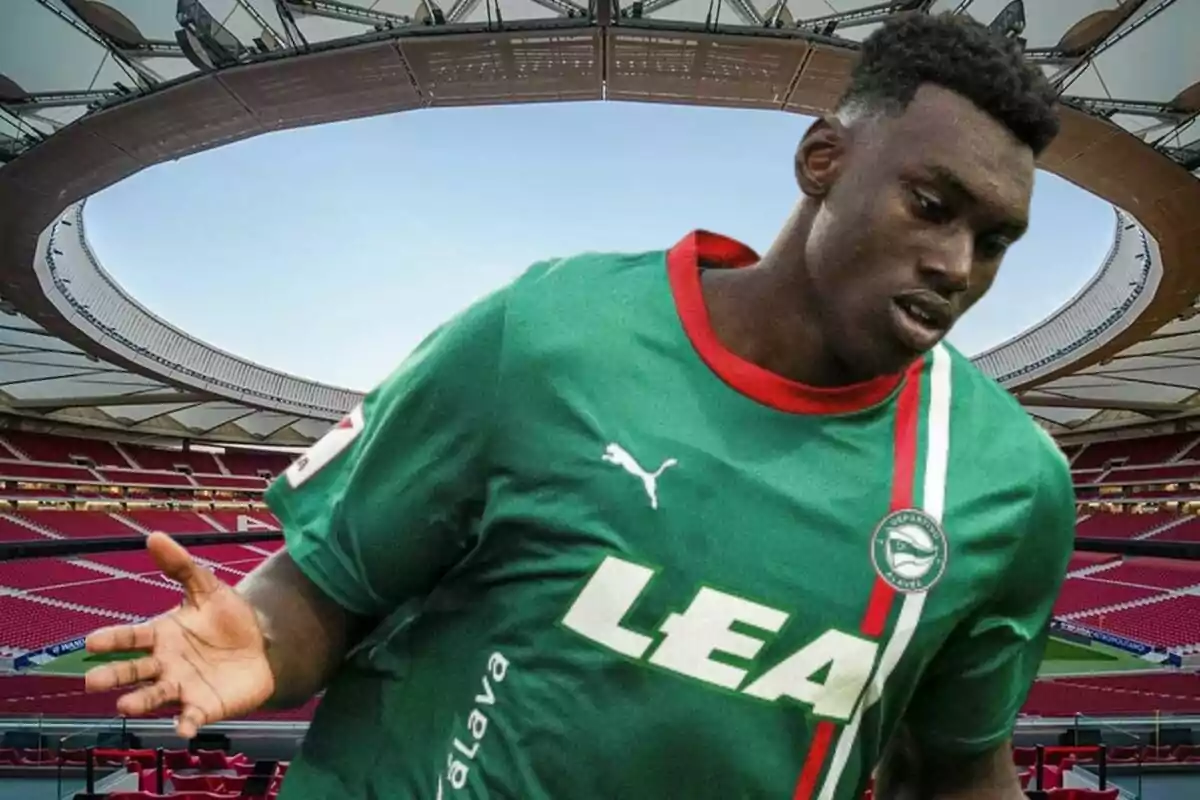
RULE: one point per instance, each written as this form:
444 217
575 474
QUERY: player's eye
992 247
929 206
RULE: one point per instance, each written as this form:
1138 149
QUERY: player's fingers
121 639
177 563
148 698
190 720
122 673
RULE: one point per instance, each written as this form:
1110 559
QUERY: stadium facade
136 85
92 92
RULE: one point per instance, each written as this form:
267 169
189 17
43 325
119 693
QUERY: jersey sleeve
969 698
384 504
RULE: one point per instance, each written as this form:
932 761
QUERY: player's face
918 212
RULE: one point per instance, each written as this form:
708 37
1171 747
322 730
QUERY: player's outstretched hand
208 655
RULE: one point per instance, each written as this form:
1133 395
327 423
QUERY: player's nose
946 267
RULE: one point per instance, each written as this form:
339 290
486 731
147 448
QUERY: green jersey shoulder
1023 443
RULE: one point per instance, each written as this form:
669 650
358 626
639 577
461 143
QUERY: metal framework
1067 60
271 64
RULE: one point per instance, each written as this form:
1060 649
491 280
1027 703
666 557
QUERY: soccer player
688 524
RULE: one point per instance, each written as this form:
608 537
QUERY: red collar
764 386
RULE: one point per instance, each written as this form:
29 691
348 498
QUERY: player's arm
380 509
306 633
955 741
911 772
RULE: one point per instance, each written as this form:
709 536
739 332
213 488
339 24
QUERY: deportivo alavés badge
909 550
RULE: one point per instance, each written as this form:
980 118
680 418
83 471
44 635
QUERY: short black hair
957 53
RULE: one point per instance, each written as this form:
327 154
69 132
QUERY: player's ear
820 156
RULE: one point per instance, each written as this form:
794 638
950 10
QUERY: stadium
115 423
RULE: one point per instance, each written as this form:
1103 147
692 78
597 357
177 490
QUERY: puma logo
615 454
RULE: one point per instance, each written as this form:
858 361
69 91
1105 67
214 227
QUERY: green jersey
611 559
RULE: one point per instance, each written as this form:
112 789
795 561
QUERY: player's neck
759 313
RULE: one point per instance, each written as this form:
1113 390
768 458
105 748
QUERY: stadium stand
30 623
173 521
1155 572
1140 598
1159 526
66 466
63 449
1083 562
47 600
1166 465
240 462
1146 450
62 488
51 695
1124 526
1081 595
1171 621
1185 530
247 520
78 524
1115 695
65 488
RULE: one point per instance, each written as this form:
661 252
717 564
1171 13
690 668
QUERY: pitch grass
1071 658
77 663
1059 650
1062 658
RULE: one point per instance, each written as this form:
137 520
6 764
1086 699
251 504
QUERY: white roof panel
53 381
1134 63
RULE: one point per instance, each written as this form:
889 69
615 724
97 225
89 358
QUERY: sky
330 252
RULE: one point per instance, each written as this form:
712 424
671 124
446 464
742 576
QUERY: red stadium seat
1122 526
178 759
216 760
1082 794
1160 449
1186 751
1024 756
38 758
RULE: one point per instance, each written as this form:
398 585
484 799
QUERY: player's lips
921 318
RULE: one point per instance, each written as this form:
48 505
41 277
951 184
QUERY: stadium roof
56 384
91 92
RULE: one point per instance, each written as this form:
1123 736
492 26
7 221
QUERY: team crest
909 551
